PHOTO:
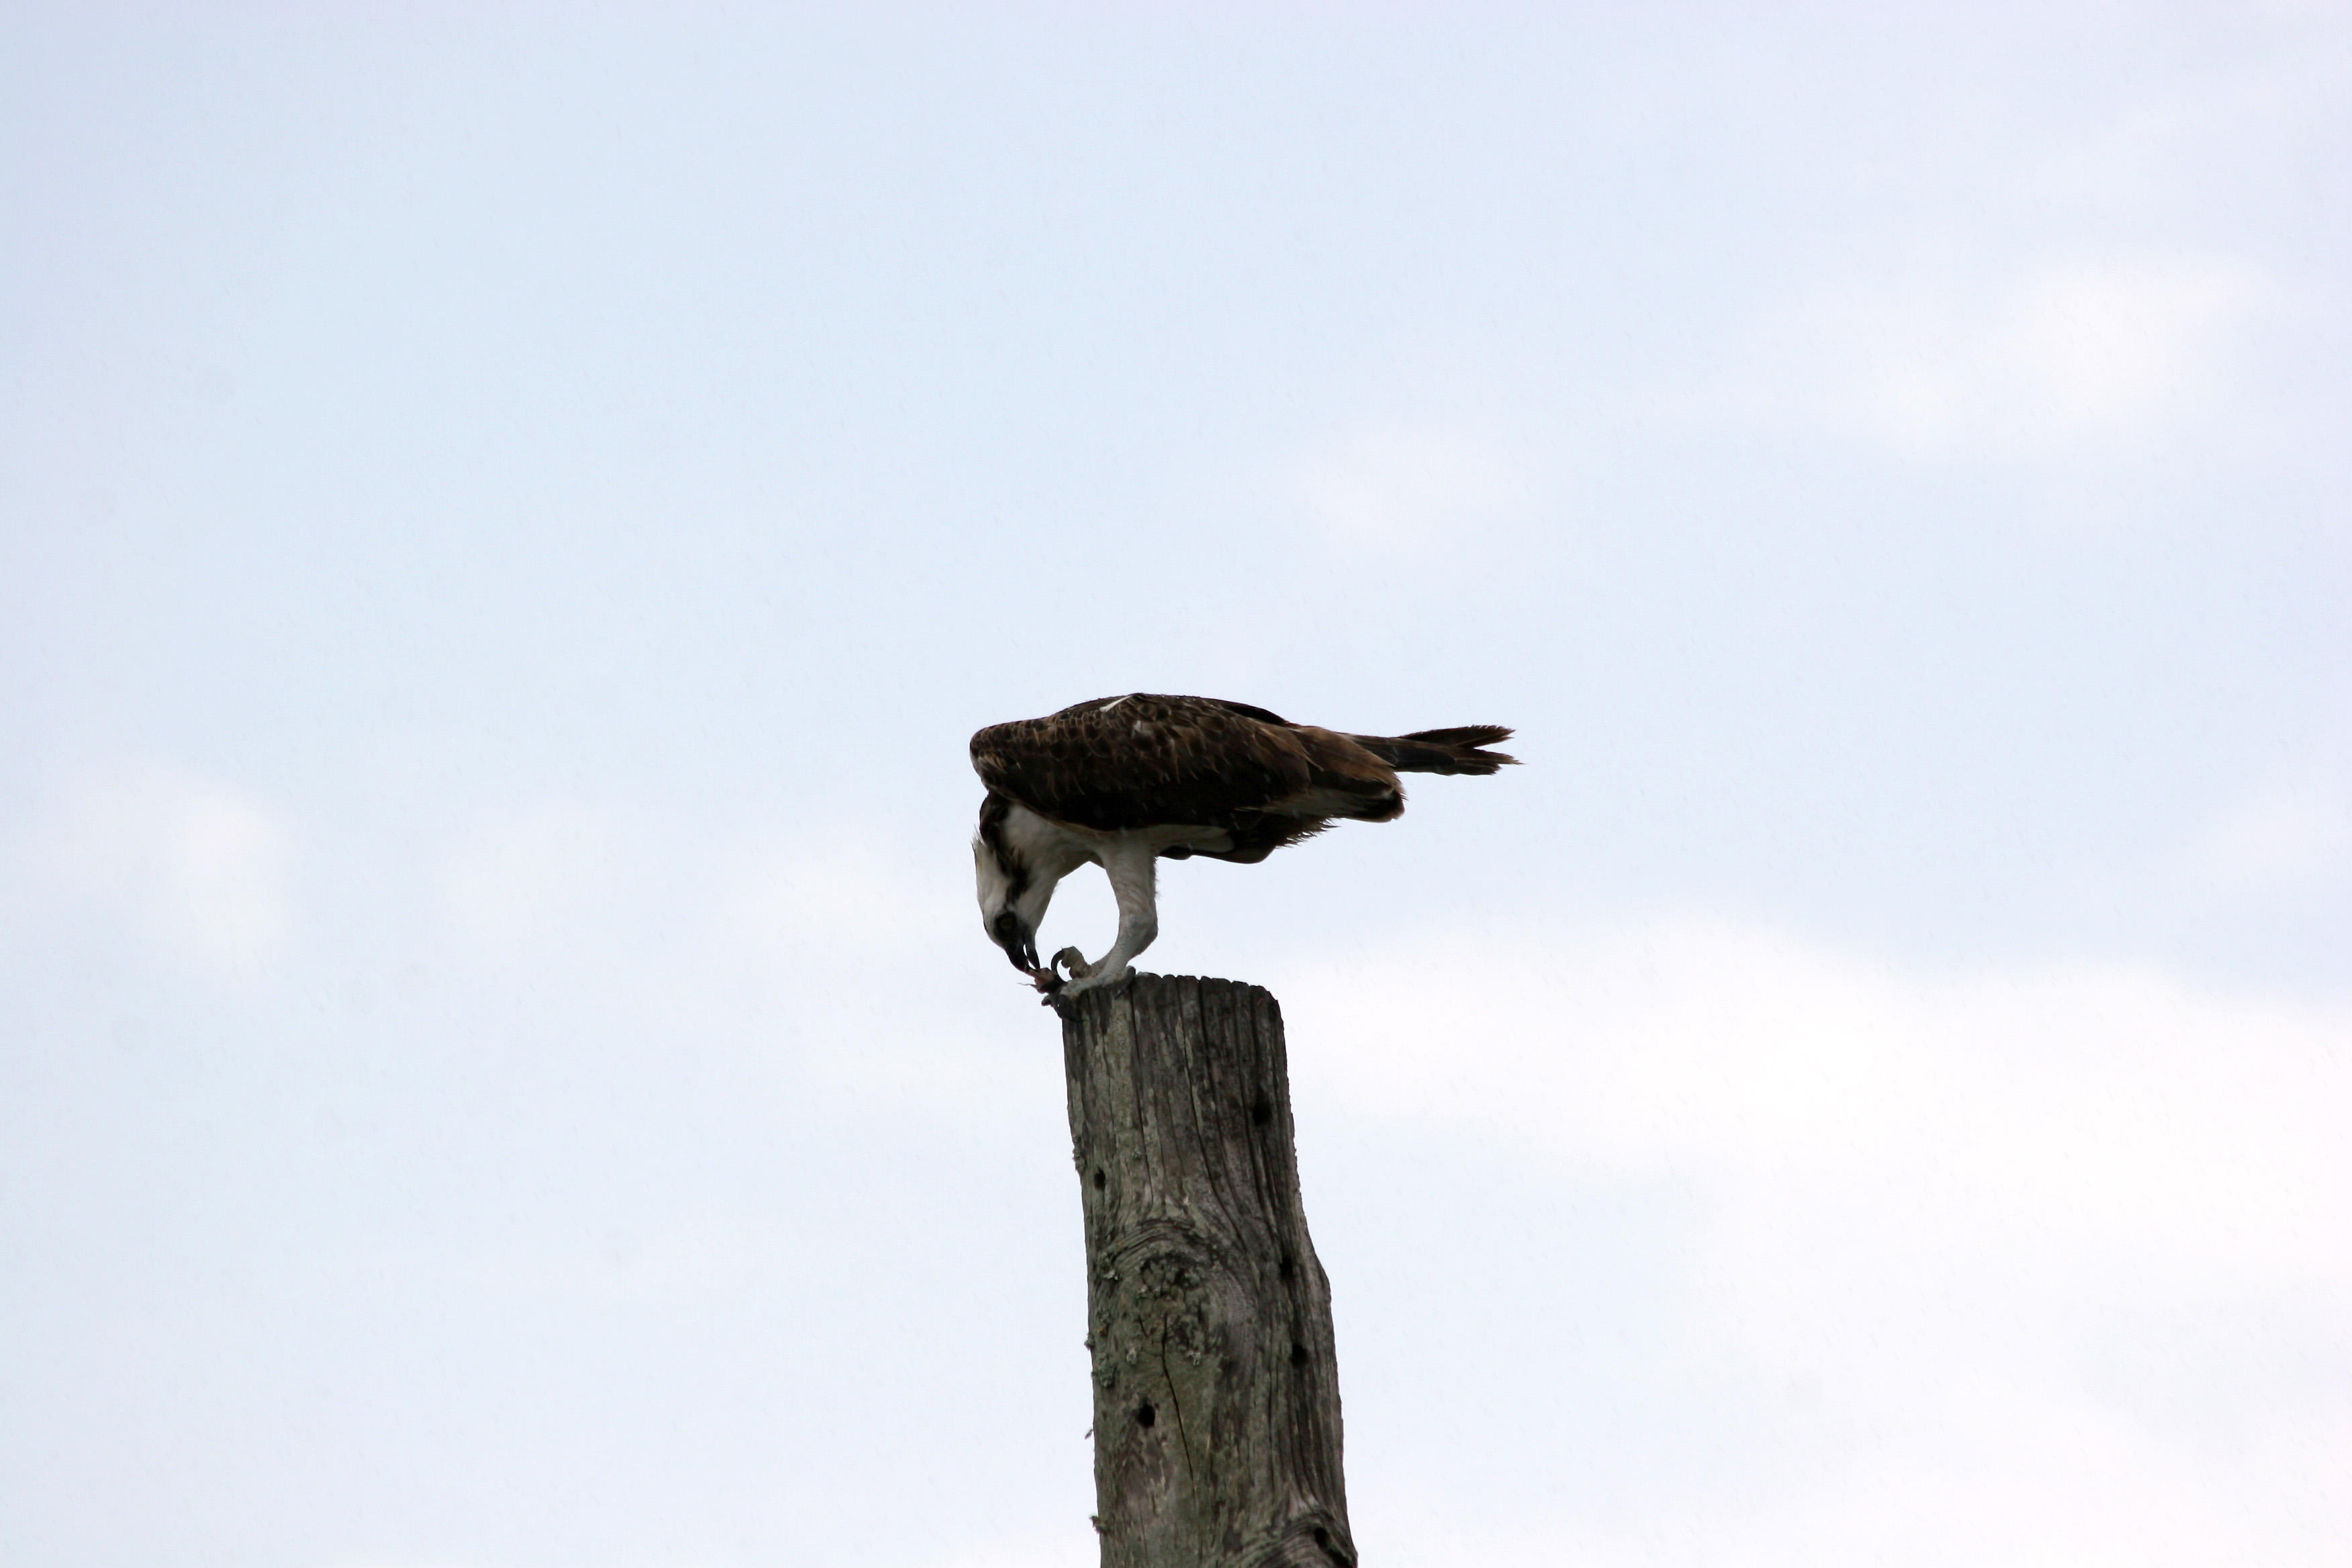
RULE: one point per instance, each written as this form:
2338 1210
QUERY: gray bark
1217 1390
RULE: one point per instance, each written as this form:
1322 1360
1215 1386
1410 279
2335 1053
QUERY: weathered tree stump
1217 1390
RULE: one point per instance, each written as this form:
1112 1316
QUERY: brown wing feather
1145 759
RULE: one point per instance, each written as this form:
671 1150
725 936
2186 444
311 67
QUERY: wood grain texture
1216 1389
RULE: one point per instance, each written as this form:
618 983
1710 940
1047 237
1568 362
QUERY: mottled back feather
1143 759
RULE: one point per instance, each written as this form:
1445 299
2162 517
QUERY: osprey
1125 782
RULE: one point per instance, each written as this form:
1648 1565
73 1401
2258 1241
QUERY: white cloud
2075 351
2181 139
200 866
1401 488
2063 1255
2093 1103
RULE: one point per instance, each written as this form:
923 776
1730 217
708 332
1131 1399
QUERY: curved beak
1020 945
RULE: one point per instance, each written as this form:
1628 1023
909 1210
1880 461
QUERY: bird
1126 781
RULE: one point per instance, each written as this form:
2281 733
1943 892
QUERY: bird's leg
1130 870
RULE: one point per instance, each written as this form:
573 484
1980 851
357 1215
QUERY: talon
1071 959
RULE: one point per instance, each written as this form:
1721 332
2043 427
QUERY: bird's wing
1143 759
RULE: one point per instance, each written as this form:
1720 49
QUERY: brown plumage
1145 760
1121 780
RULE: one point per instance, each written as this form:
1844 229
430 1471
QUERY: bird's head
1015 886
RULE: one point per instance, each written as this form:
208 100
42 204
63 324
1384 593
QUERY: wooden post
1216 1393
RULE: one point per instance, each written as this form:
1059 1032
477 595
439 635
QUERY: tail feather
1455 751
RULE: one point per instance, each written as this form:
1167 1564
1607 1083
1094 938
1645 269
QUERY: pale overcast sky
509 515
